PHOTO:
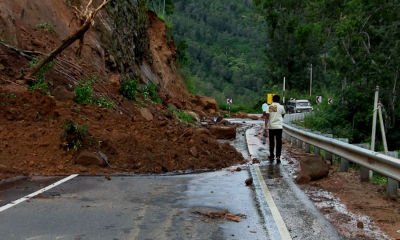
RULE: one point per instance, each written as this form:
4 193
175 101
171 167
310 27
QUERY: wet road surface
164 207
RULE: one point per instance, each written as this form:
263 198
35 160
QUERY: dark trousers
275 135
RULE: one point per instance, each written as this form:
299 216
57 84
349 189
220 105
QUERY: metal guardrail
378 162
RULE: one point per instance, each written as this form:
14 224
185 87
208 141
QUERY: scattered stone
87 158
223 132
253 117
249 181
169 114
194 152
61 94
146 114
255 160
107 176
82 169
193 114
222 215
219 119
238 169
172 106
21 82
360 224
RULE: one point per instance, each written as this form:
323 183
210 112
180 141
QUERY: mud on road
358 210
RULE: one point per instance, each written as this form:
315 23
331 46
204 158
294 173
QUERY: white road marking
27 197
285 235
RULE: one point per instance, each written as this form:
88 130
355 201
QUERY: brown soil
30 142
361 199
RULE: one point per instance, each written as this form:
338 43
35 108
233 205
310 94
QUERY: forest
243 50
353 46
225 42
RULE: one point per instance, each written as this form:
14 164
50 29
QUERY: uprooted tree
87 18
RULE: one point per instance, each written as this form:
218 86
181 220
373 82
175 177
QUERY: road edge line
284 232
27 197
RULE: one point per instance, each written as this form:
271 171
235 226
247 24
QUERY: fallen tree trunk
68 41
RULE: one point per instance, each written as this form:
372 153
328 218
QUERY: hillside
225 45
131 136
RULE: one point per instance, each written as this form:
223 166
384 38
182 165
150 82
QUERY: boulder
303 178
253 117
314 166
223 132
87 158
193 114
116 80
220 118
194 152
205 102
242 115
172 107
169 114
211 112
61 94
146 114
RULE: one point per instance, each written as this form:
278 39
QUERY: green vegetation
75 136
184 117
351 46
40 78
377 178
224 42
129 88
43 25
84 94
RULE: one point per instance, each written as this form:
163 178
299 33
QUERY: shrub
84 93
129 88
40 82
74 136
153 91
43 25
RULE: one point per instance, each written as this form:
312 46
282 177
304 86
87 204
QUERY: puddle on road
270 171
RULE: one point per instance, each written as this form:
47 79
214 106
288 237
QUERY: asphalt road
165 206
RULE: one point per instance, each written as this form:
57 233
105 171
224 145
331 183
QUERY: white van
299 106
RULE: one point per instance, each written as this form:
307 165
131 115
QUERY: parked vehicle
299 106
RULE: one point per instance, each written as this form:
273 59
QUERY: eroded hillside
135 136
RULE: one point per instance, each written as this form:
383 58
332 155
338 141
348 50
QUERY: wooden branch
348 53
67 42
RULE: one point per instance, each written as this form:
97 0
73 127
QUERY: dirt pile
31 128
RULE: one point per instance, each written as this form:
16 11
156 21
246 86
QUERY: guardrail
378 162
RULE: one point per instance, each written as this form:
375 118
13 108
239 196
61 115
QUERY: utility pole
310 79
284 80
364 172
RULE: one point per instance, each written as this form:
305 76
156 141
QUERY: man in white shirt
274 118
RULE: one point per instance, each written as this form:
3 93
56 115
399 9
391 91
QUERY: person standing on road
273 122
264 109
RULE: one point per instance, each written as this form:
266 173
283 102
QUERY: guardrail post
328 155
344 163
293 140
392 185
316 149
364 172
308 146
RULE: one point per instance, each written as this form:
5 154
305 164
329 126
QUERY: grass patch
84 94
43 25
